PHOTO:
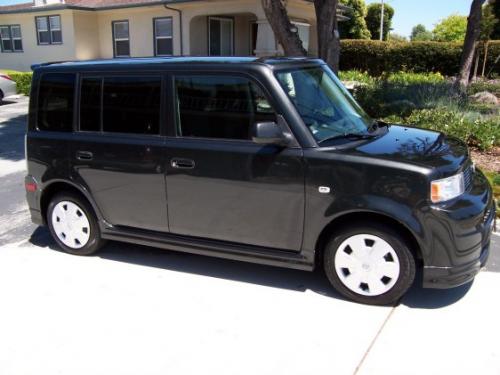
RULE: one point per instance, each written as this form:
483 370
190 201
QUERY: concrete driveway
137 310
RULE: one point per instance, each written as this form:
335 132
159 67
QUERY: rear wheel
370 264
73 224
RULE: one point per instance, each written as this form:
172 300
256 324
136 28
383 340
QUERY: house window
163 36
121 39
10 38
49 30
220 36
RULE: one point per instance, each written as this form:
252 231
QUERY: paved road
14 215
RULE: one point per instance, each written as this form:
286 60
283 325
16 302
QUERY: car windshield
325 105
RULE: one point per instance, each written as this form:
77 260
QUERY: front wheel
73 224
369 264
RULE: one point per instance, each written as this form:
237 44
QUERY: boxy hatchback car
269 161
7 86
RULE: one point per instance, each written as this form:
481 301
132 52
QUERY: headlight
447 188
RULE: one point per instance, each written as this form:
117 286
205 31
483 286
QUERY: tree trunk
277 16
486 45
476 65
328 34
473 31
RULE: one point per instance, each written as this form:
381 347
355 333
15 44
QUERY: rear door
117 152
220 184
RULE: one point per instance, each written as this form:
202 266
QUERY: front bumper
461 233
450 277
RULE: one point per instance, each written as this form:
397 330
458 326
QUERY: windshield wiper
348 136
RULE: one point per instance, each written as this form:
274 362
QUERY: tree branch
277 16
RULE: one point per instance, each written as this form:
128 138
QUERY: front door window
220 36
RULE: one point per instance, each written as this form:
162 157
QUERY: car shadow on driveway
7 102
268 276
12 133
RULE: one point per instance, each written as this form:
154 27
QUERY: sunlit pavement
138 310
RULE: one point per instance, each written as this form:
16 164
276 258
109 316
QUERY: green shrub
496 179
479 86
356 75
376 57
480 132
411 78
429 101
23 81
385 99
401 78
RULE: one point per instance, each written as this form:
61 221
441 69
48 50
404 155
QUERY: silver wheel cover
367 265
71 225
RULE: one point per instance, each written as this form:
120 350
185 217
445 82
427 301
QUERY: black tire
398 244
1 97
95 242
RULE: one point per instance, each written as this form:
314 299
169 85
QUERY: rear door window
55 102
90 104
121 105
131 105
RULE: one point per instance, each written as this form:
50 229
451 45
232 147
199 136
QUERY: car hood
416 146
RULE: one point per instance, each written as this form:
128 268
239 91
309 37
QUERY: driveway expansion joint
372 343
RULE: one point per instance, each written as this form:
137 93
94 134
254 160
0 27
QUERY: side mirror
268 133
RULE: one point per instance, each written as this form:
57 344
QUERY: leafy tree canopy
451 29
393 37
373 19
495 8
488 23
420 34
355 27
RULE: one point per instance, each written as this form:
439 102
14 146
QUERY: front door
221 185
220 36
118 153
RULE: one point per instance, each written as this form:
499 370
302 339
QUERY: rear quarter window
55 102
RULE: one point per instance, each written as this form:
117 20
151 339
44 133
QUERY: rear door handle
182 163
84 155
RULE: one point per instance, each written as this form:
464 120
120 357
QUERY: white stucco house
61 30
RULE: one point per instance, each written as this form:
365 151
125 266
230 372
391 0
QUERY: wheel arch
57 186
366 216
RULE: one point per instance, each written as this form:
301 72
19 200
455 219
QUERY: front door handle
84 155
182 163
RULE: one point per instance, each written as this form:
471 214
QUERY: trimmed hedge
376 57
23 81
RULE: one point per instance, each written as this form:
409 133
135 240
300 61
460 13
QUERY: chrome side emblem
324 189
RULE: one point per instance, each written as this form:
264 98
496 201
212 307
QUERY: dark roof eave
138 5
49 8
46 8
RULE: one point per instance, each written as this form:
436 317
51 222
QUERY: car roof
178 61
